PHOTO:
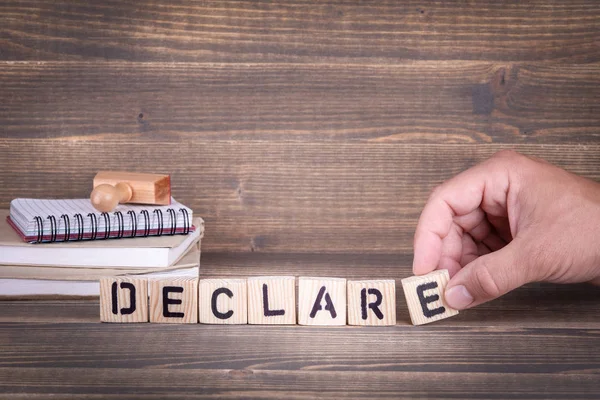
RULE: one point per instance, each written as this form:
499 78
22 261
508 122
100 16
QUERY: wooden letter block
321 301
223 301
372 302
272 300
124 299
174 300
425 297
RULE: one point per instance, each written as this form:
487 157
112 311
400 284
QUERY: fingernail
458 297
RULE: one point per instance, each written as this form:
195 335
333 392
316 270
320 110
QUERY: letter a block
174 300
124 299
372 302
223 301
321 301
425 297
272 300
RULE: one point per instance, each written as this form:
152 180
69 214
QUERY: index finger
485 185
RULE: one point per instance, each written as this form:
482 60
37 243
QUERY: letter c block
223 301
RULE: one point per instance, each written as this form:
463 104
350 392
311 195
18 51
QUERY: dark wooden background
308 135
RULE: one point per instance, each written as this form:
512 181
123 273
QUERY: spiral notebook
43 220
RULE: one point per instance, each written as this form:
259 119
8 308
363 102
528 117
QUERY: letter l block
272 300
425 297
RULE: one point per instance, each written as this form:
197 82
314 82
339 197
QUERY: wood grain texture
209 361
275 196
231 304
425 297
372 302
409 101
272 300
300 31
181 306
294 384
236 347
132 299
532 306
308 135
322 301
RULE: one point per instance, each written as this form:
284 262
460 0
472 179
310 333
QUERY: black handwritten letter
167 301
373 306
317 306
213 303
424 300
115 298
267 312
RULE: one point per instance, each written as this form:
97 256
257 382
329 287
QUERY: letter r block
425 297
223 301
173 300
124 299
272 300
372 302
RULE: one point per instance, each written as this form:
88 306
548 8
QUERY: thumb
487 277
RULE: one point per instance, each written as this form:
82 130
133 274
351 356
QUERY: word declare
271 300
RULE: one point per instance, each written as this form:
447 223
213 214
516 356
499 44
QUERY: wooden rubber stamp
113 188
321 301
173 300
372 302
272 300
425 297
124 299
223 301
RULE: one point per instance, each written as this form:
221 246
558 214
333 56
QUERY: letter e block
272 300
321 301
223 301
372 302
124 299
425 297
174 300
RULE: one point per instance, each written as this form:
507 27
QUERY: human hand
506 222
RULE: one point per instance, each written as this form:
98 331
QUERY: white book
38 287
149 252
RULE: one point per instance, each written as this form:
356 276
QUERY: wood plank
532 306
300 31
132 383
273 196
438 348
415 102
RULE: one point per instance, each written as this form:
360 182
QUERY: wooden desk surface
308 135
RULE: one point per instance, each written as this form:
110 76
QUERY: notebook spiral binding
79 233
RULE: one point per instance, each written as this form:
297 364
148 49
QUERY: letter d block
174 300
321 301
425 297
124 299
223 301
372 302
272 300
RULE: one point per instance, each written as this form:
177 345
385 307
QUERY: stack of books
63 247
